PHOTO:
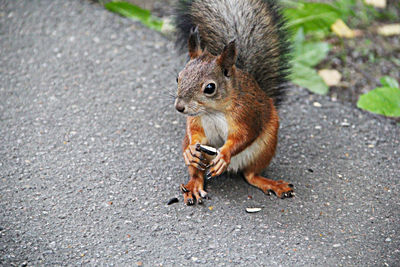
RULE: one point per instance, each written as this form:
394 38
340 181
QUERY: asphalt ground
90 154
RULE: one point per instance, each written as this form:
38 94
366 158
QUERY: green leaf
134 12
128 10
311 53
308 77
312 16
387 81
383 100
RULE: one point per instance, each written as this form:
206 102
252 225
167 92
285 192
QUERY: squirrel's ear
228 58
194 43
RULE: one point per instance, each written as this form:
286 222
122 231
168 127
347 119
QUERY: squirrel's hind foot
280 188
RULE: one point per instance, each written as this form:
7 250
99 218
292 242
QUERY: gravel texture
90 155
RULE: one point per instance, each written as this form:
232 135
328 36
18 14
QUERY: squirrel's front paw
194 158
219 165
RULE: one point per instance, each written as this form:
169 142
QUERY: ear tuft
228 58
194 43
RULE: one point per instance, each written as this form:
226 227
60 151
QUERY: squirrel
230 89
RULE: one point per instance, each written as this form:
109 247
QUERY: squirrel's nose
180 107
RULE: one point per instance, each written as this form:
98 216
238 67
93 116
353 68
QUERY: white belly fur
216 129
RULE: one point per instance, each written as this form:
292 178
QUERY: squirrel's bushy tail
256 25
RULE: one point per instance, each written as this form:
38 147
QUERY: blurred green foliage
306 55
311 17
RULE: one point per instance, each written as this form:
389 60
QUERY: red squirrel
230 89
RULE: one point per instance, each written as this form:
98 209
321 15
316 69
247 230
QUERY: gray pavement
90 154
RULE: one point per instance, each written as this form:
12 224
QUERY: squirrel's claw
189 201
193 158
218 166
281 189
187 195
184 189
288 194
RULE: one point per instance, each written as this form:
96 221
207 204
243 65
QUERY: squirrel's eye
209 89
